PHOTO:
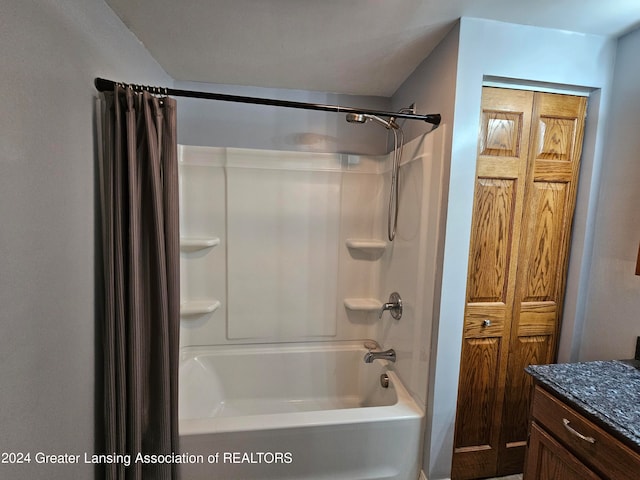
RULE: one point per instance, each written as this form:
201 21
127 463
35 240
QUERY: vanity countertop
606 390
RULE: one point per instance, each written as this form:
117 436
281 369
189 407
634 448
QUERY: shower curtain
140 243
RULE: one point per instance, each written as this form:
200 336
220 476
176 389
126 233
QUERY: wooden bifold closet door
526 180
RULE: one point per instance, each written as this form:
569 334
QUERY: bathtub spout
390 355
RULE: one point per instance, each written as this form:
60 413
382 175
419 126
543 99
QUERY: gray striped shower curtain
140 246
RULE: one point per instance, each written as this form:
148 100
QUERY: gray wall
523 54
51 51
432 88
611 315
226 124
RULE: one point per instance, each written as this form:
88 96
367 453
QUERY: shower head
363 117
356 118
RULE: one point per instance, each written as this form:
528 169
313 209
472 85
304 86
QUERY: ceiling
364 47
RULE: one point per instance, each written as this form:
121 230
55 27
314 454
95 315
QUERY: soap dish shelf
367 245
363 304
194 308
192 244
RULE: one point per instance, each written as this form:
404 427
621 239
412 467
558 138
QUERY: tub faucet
390 355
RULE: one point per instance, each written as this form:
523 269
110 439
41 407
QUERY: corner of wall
489 48
432 88
609 303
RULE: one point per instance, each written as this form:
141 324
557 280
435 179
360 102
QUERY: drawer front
547 459
590 443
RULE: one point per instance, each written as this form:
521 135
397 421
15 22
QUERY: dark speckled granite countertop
606 390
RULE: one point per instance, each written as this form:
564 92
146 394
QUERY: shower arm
103 85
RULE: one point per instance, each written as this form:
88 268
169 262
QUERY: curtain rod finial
103 85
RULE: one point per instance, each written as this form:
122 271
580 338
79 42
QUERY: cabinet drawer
590 443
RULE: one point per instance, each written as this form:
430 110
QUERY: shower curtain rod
103 85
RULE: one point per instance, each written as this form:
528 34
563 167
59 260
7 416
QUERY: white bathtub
295 411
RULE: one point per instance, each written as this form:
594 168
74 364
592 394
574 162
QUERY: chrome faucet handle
385 307
394 305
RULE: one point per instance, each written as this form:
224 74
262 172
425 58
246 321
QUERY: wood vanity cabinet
565 445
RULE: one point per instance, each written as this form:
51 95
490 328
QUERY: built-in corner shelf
363 304
366 244
191 244
201 307
366 249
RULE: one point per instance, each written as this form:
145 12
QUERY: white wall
611 314
282 269
51 51
524 53
409 264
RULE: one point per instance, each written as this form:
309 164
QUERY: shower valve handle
394 305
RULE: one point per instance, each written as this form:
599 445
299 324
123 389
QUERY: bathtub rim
405 407
189 351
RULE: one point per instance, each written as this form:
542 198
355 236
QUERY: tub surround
606 391
248 215
251 323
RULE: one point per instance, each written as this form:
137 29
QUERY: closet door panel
526 177
490 255
505 125
551 184
544 238
530 349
